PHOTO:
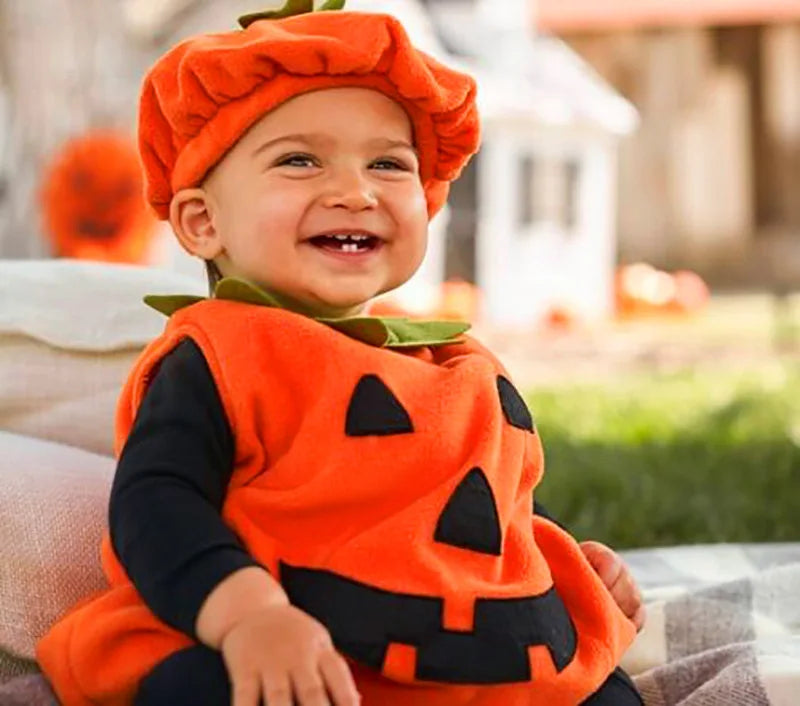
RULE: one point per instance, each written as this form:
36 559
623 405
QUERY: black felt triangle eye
375 411
514 407
470 519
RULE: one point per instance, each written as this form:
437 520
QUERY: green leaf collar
376 331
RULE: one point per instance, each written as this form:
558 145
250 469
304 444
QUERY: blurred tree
68 66
65 67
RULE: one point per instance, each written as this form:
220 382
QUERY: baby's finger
246 691
308 687
608 565
593 550
277 689
626 594
338 679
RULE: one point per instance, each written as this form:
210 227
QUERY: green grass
685 458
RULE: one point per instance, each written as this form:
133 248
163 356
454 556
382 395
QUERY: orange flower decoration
93 202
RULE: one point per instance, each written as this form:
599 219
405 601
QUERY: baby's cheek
408 202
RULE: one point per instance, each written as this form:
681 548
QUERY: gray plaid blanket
723 629
723 625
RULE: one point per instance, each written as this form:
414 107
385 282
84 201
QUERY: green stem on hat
290 9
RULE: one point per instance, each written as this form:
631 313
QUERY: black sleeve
168 491
539 509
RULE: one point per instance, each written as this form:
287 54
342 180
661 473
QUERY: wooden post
712 177
780 54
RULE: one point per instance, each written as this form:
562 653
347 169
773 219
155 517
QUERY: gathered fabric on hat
205 93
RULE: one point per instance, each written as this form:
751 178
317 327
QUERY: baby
311 505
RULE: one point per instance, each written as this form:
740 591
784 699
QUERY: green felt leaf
333 5
364 328
168 304
407 332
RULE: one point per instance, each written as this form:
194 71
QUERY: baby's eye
389 163
297 160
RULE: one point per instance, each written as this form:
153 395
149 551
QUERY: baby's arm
189 567
168 492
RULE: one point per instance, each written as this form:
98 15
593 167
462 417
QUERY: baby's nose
351 191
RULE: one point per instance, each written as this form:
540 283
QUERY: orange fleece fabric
390 491
202 96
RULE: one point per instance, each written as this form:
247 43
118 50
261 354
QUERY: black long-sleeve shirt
167 496
168 491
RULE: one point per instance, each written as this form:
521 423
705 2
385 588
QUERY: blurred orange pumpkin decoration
642 290
93 203
559 319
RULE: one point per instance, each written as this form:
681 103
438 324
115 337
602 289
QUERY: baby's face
321 202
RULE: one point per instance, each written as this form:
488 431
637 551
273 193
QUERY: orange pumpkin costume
390 492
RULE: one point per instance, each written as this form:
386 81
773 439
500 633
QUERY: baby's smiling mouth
346 242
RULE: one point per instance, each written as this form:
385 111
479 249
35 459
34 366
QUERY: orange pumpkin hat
201 96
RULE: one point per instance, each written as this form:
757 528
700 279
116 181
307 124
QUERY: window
462 227
548 193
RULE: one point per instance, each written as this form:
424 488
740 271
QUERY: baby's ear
193 223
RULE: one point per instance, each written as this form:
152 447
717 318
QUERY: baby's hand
284 656
617 579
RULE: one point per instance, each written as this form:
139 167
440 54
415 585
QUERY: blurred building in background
533 219
712 177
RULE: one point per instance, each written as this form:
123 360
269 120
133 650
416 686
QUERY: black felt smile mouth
364 621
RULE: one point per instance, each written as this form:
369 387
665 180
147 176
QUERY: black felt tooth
514 408
470 519
375 411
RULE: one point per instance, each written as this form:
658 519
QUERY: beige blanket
723 625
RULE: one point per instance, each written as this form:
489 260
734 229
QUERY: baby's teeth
351 237
350 247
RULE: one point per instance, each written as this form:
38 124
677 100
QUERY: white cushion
53 509
69 334
85 306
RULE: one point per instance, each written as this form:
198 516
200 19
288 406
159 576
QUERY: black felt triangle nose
470 519
375 411
514 408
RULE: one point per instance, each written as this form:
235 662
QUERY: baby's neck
320 311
